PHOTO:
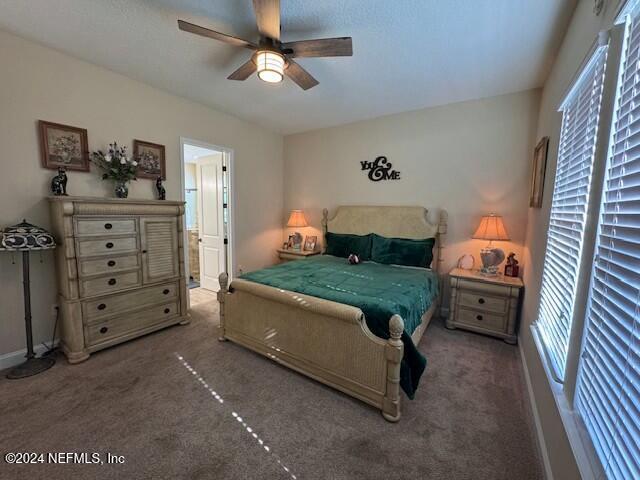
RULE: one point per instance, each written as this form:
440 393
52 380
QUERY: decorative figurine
353 259
59 183
511 268
162 193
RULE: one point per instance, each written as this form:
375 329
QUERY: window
580 116
608 396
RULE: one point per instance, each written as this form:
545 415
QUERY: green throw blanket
380 291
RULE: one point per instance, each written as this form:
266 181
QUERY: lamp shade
270 66
25 236
491 228
296 219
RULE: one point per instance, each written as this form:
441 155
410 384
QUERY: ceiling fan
272 58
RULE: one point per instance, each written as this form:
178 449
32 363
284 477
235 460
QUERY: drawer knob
103 330
479 317
108 226
111 263
144 251
102 306
481 301
166 291
167 310
112 281
109 245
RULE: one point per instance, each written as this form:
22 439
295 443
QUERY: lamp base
491 260
32 366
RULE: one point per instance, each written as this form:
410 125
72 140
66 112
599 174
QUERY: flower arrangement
116 166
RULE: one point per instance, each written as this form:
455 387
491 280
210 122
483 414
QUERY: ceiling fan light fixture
270 66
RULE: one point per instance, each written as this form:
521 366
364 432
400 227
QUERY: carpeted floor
470 418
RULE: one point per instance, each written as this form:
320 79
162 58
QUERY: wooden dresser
120 270
485 304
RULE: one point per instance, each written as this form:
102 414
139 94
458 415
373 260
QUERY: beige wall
40 83
189 175
469 158
580 36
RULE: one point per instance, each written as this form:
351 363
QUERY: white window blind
580 115
608 397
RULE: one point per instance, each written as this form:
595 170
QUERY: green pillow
343 245
402 251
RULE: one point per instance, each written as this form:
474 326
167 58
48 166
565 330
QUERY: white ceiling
408 54
193 152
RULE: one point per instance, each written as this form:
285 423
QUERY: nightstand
287 255
485 304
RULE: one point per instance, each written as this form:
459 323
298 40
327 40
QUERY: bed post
325 223
224 282
394 352
442 231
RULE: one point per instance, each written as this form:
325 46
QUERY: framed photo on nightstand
310 243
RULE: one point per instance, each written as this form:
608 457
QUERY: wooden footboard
324 340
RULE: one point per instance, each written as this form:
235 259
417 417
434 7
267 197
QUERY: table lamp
296 219
491 228
24 238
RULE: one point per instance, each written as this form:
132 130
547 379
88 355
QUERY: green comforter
380 291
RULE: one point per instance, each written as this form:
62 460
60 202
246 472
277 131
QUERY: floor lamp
25 238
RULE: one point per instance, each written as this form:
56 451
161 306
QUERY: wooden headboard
398 222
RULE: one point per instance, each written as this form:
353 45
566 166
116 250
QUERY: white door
210 220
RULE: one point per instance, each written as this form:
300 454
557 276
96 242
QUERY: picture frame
296 242
285 246
310 243
290 242
538 173
63 146
151 159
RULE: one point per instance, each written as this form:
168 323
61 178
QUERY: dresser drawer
479 301
481 319
105 226
89 248
107 264
120 303
108 284
122 325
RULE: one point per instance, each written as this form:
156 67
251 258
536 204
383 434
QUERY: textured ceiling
408 54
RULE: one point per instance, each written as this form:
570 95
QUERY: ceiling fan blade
299 75
244 72
268 17
223 37
325 47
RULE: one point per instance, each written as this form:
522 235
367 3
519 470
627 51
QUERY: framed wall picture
63 146
538 172
150 158
310 243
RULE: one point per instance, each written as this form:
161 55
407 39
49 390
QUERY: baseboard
542 445
11 359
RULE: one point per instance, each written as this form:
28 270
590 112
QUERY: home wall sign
380 169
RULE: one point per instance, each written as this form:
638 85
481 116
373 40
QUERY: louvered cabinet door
159 240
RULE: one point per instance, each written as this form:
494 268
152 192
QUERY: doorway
206 190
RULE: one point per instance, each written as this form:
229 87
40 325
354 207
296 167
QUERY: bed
331 341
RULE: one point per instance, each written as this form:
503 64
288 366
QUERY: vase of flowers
116 166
